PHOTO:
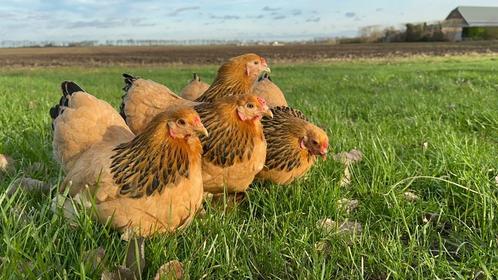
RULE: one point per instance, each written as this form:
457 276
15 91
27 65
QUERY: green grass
387 110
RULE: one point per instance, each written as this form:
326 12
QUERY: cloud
260 16
138 22
96 23
225 17
183 9
268 9
315 19
350 14
145 24
279 17
93 2
379 10
7 15
109 23
296 12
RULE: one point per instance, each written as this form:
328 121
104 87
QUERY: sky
64 20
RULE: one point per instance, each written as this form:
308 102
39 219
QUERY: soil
95 56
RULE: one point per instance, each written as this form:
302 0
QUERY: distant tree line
424 32
133 42
481 33
410 32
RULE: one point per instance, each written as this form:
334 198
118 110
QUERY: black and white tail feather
68 88
129 80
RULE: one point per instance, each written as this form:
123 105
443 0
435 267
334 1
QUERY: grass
387 110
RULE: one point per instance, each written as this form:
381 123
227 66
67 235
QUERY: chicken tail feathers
128 79
68 88
122 110
54 111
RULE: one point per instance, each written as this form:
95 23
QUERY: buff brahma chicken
145 183
293 145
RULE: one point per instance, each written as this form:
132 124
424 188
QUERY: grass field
388 111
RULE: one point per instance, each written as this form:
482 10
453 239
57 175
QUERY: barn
471 23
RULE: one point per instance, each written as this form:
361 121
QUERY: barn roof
477 16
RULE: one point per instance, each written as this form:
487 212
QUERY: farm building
471 23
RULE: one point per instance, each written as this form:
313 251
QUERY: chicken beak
264 64
267 70
267 112
323 154
202 130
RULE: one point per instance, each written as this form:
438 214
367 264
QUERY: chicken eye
181 122
314 142
250 105
256 62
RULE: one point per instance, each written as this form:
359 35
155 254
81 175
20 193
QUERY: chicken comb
261 100
263 61
325 145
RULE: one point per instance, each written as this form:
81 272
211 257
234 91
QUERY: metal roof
479 16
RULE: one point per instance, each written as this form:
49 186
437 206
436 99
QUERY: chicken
265 88
144 99
293 145
235 77
194 89
235 150
146 183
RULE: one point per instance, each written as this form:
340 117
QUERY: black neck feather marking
282 134
227 143
221 88
139 168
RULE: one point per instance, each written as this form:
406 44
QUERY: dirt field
215 54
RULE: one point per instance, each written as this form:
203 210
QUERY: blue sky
234 19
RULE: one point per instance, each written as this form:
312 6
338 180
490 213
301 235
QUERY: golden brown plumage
235 150
146 183
265 88
235 77
144 99
194 88
293 145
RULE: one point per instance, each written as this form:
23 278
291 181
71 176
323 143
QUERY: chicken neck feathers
231 80
230 140
151 161
282 133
